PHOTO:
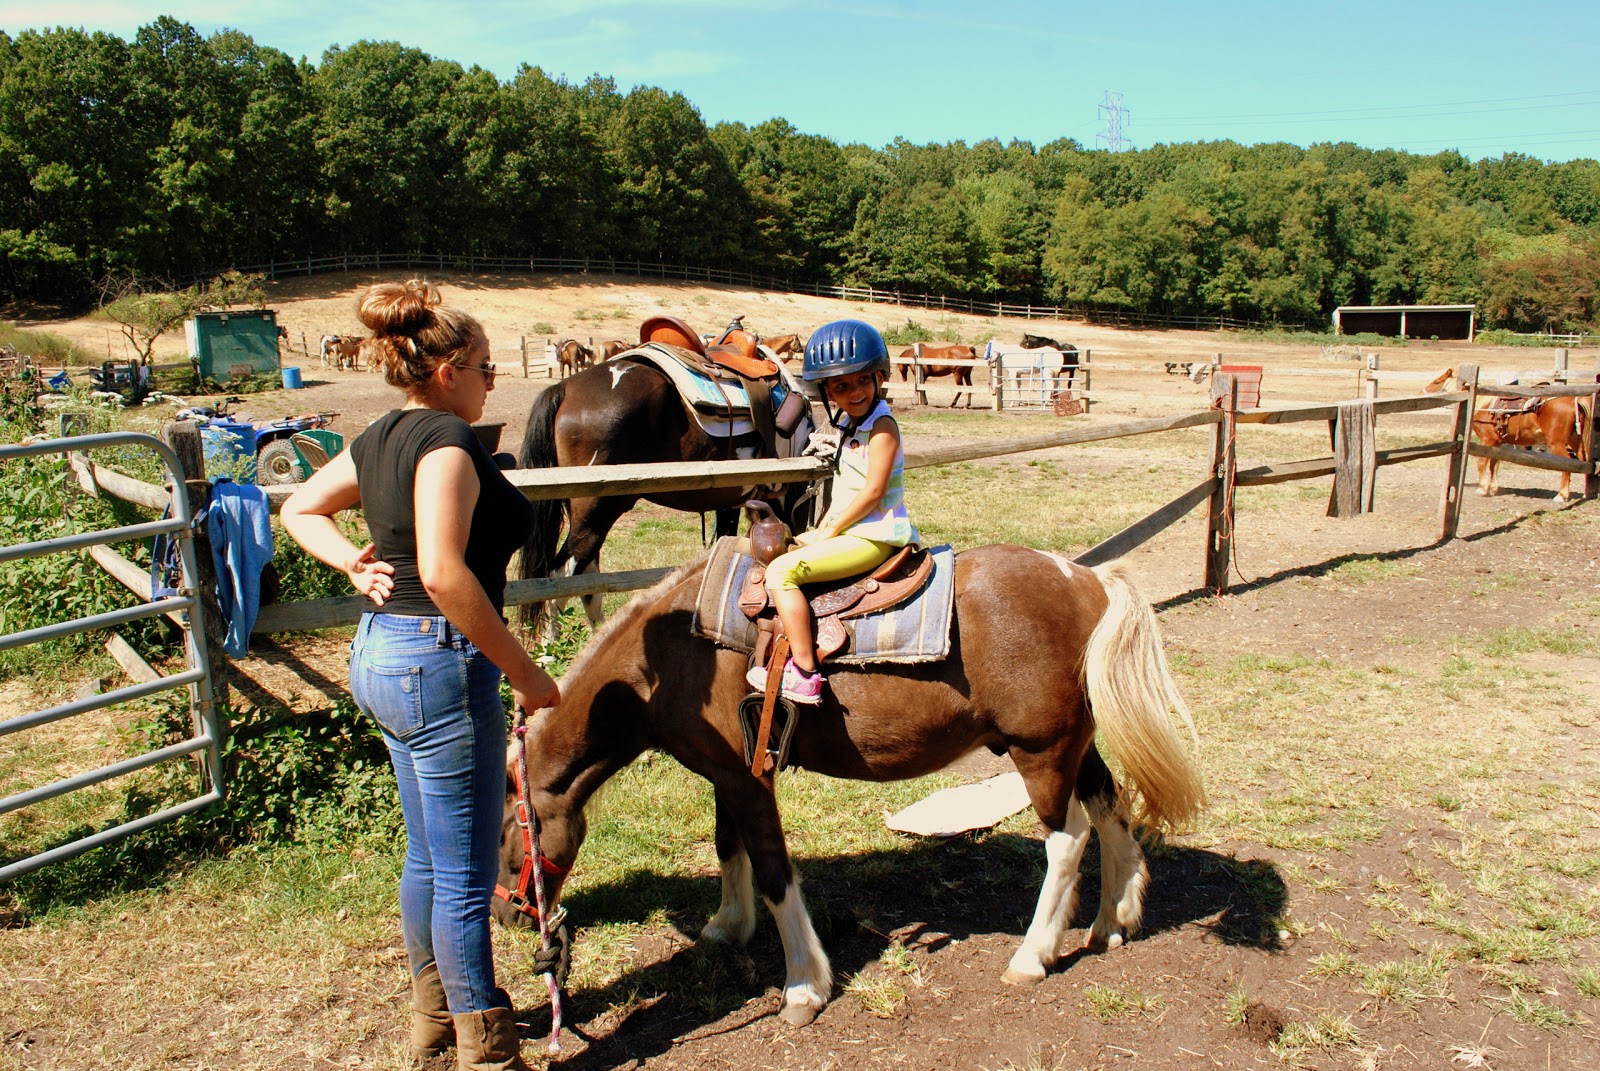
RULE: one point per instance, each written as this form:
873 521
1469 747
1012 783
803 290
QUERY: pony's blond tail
1131 692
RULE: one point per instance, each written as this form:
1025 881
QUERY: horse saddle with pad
724 400
899 613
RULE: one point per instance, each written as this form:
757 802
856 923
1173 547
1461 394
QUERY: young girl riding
867 520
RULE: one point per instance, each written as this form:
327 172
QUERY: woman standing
427 661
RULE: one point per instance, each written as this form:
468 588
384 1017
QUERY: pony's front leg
1486 476
1058 899
1565 492
735 920
808 978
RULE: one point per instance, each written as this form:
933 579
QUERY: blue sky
1423 76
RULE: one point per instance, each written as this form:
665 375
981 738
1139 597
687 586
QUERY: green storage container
233 345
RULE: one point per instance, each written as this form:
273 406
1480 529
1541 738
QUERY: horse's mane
635 606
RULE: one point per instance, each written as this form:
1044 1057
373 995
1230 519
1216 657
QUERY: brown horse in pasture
1044 655
929 368
1558 426
573 356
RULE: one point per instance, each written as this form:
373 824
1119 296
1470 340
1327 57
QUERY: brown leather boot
487 1041
433 1031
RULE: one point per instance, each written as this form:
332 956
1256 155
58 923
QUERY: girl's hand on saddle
535 690
371 577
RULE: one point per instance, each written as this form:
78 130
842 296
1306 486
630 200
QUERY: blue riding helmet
842 347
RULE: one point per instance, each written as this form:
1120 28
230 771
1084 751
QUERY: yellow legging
827 559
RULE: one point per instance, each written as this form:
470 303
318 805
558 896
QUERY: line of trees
175 153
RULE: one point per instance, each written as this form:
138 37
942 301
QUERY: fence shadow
930 895
1324 568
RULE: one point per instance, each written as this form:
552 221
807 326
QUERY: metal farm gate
184 607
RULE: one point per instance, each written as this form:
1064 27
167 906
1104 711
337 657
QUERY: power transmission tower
1115 115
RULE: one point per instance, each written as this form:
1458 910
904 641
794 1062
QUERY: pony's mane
634 607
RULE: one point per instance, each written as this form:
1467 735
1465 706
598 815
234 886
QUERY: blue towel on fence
239 524
915 631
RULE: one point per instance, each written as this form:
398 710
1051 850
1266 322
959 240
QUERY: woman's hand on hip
371 577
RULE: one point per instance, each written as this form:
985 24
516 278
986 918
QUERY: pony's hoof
1016 977
798 1013
1105 942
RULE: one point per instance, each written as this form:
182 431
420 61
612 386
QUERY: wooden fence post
916 373
1224 466
1561 366
1591 482
1372 384
1456 475
524 356
184 438
1085 360
997 381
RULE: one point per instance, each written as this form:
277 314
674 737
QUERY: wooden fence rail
1222 476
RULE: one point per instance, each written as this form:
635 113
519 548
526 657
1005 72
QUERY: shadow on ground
931 896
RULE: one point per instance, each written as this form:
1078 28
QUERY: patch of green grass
1407 982
543 328
1332 965
1534 1012
1236 1003
1508 643
1586 980
1107 1003
1326 1032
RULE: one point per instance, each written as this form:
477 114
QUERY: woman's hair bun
389 309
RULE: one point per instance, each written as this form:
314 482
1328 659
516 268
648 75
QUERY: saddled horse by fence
610 348
573 356
1038 643
1556 425
623 413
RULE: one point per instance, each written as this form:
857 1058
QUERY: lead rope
546 940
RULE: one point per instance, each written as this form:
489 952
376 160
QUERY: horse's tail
539 452
1131 692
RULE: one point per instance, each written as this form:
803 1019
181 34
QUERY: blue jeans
437 699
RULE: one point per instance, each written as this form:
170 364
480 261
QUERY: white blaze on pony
645 681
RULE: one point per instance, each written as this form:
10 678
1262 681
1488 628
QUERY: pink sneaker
797 687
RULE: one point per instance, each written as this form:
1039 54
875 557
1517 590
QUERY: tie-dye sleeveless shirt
889 522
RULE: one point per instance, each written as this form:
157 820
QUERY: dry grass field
1398 869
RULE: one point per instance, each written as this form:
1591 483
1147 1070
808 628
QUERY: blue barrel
291 379
229 447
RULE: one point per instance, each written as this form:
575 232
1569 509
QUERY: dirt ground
1522 561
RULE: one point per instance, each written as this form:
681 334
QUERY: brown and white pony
1044 655
607 350
1558 426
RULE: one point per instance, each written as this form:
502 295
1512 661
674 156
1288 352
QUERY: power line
1392 108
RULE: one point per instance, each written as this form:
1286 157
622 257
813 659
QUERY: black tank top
386 457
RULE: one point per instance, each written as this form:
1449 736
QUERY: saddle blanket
720 406
917 630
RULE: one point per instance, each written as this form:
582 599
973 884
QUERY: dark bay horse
929 368
623 412
1558 426
1044 655
1069 353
